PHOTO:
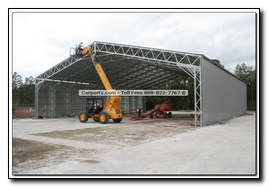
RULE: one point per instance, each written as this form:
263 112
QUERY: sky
42 38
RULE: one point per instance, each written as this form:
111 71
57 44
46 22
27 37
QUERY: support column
198 97
36 94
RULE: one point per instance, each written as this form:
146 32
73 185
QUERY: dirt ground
32 154
26 112
127 134
28 154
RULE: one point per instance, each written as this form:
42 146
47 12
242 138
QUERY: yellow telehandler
94 106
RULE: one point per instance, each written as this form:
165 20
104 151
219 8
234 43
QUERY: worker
90 109
96 105
139 111
80 47
72 114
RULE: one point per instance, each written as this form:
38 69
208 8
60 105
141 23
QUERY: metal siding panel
66 100
224 96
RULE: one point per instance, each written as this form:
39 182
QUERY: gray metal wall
224 96
60 100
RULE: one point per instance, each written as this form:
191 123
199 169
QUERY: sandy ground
42 143
172 147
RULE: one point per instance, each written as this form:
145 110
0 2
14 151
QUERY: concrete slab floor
221 149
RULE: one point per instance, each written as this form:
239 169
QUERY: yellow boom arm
113 101
112 104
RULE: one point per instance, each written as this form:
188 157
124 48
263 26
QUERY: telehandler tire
117 120
83 117
103 117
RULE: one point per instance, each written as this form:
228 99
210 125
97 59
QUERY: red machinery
160 110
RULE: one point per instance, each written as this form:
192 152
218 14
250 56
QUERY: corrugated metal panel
224 96
61 100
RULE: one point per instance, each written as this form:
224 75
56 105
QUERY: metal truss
189 63
57 68
185 60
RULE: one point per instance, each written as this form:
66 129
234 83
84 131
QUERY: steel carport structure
134 67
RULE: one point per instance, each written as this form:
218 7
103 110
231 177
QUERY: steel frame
153 58
189 63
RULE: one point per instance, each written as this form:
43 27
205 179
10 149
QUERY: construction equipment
136 114
111 109
160 110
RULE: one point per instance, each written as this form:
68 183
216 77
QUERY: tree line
248 75
245 73
23 92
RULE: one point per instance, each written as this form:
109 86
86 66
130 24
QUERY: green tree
16 84
29 80
178 103
27 91
22 93
16 80
248 75
218 63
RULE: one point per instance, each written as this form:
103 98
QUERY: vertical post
68 95
53 99
35 100
38 84
195 116
198 97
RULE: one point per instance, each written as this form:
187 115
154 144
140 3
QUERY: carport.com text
133 93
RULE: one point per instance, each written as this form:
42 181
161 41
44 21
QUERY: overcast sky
42 39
